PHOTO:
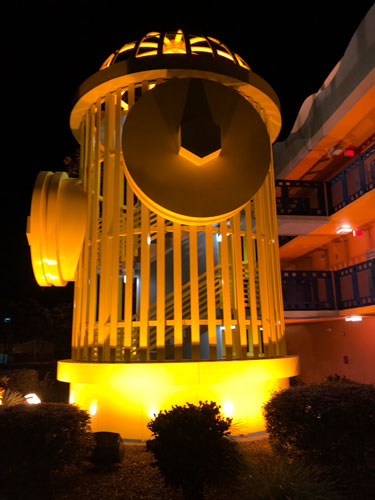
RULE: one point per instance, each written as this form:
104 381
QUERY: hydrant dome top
160 56
175 42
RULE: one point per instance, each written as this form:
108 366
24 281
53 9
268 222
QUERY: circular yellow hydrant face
195 150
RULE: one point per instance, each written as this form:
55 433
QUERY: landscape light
228 408
153 413
93 407
32 399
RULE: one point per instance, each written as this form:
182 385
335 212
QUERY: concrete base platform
124 397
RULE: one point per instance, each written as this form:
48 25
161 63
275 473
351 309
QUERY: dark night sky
53 47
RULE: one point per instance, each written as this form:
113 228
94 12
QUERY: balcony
355 180
355 285
303 206
326 293
307 290
300 197
311 212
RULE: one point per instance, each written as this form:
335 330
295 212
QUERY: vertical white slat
107 242
194 293
233 290
210 285
271 278
160 289
87 177
78 330
129 243
276 261
145 283
129 238
131 95
177 291
251 275
94 223
117 189
238 271
263 283
227 313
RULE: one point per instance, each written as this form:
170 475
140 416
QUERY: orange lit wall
349 250
343 251
322 346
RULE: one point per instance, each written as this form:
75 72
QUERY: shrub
38 440
12 398
22 380
332 424
279 478
337 379
191 449
294 381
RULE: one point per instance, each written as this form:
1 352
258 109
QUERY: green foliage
295 381
278 478
26 381
191 448
337 379
38 440
21 380
12 398
331 424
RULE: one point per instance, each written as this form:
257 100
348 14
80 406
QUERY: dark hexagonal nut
201 136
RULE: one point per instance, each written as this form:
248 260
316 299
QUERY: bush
278 478
38 440
295 381
27 381
191 448
21 380
337 379
12 398
332 424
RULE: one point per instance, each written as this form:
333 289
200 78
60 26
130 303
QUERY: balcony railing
307 290
299 197
355 285
352 182
313 290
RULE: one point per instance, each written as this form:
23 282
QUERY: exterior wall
322 346
339 116
349 250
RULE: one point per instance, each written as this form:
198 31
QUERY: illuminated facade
325 189
170 236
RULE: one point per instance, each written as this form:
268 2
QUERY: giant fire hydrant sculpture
170 236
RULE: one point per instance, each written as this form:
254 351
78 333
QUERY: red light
349 152
357 232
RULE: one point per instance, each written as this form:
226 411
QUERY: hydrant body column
178 292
